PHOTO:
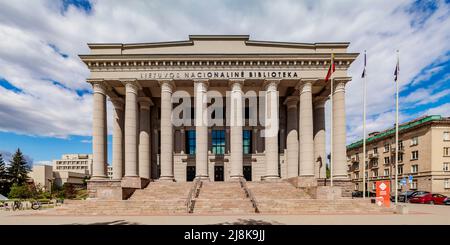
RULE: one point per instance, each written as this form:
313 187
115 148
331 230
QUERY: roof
245 38
402 127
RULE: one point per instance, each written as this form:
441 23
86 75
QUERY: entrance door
248 173
190 173
218 173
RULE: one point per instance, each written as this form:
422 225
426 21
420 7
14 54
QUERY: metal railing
193 193
249 194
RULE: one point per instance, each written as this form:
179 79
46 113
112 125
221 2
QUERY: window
356 175
414 155
446 166
374 162
247 141
366 175
190 142
414 168
386 147
375 150
447 183
446 151
400 157
400 145
386 172
386 160
374 173
247 113
356 186
413 185
400 170
218 142
374 186
414 141
446 136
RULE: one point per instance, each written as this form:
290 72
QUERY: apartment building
424 156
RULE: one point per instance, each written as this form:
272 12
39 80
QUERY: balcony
355 158
400 150
373 155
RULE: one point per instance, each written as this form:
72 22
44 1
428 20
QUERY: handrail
249 194
193 193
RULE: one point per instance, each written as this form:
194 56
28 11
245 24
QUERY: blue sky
45 103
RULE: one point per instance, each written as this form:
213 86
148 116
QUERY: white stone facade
143 82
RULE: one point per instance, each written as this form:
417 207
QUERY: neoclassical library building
218 108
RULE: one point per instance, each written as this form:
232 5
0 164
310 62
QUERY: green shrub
22 191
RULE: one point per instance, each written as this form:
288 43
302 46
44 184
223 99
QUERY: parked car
423 197
438 199
405 196
447 201
360 194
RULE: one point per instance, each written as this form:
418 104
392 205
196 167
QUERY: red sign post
383 193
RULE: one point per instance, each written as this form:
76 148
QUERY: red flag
331 69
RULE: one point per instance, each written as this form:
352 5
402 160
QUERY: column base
102 177
272 178
203 178
166 179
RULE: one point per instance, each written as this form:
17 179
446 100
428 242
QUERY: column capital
319 101
237 82
167 85
145 102
98 86
202 81
131 85
305 84
340 82
117 103
291 101
271 84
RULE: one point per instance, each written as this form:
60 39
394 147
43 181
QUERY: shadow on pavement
115 222
249 222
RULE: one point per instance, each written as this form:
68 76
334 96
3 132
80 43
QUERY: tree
4 184
18 168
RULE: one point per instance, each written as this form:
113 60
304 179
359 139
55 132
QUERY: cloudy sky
45 103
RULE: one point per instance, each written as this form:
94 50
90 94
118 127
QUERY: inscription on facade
219 74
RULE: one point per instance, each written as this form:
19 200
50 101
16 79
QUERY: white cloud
381 27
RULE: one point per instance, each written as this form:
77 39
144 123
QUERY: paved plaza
418 215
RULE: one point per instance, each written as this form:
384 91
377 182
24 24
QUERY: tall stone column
236 136
131 114
292 136
166 159
271 130
306 129
339 156
201 129
99 131
118 136
320 155
144 137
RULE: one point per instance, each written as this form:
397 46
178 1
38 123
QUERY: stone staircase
166 198
222 198
156 198
284 198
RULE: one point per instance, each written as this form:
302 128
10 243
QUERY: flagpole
331 133
396 129
364 128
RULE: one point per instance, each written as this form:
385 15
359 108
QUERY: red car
428 198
